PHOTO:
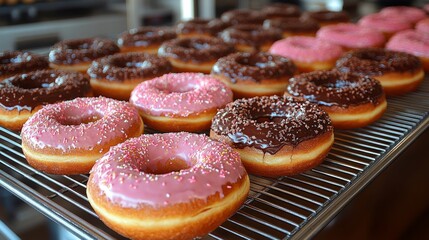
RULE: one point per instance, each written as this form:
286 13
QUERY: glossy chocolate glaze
242 16
27 91
81 50
254 67
327 16
250 34
276 10
293 24
378 61
270 123
146 36
16 62
203 26
196 49
126 66
333 88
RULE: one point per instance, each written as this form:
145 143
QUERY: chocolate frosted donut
242 16
22 95
275 135
250 37
351 100
116 76
326 17
198 27
254 74
77 54
145 39
279 10
16 62
398 72
293 26
195 54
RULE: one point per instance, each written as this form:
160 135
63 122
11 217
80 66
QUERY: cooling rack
287 207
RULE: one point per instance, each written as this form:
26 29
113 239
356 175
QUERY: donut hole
197 44
377 56
132 63
176 89
336 83
78 45
80 120
164 166
256 61
42 81
279 115
73 116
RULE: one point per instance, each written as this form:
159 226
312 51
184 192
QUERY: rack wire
287 207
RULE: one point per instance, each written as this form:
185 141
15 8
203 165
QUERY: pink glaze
384 23
410 14
410 41
59 125
350 35
306 49
423 26
180 94
124 173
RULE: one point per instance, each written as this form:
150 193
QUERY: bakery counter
287 207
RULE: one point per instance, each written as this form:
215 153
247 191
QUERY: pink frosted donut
167 186
410 14
383 23
67 137
308 53
423 26
413 42
351 36
180 101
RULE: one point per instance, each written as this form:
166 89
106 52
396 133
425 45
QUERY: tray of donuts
169 121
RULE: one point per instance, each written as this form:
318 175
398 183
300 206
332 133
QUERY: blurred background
37 24
394 206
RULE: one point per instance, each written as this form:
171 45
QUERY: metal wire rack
287 207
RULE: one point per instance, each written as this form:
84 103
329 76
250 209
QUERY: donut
275 135
167 186
68 137
398 72
293 26
117 75
250 37
422 26
281 10
145 39
242 16
199 27
24 94
308 53
194 54
412 42
180 101
351 100
410 14
18 62
351 36
385 24
327 17
77 54
254 74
